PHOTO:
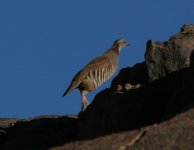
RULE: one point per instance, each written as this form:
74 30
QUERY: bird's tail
69 89
72 86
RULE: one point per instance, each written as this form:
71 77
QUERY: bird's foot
84 105
85 102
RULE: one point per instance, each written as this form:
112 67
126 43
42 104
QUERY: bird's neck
116 49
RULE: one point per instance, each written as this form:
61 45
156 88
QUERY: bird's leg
85 102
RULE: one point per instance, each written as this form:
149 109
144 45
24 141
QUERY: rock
2 137
163 58
174 134
38 133
138 86
154 100
130 75
119 88
157 101
128 86
148 106
7 122
192 60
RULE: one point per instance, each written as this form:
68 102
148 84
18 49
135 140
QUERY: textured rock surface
163 58
174 134
149 106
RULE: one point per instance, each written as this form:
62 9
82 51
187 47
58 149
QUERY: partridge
97 72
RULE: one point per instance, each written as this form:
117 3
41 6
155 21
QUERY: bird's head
120 43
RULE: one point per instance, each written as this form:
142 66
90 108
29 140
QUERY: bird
96 72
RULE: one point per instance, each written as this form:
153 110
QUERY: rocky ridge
148 106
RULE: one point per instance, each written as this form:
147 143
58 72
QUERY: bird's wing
99 62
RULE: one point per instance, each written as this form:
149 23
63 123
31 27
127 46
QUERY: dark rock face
37 133
166 89
174 134
163 58
148 106
130 78
152 103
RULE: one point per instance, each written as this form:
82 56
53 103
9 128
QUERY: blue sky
44 43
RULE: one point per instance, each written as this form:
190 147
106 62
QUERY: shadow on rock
41 133
136 108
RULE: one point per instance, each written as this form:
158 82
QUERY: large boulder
163 58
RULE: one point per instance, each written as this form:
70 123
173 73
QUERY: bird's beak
128 44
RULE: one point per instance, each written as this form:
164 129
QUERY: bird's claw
84 106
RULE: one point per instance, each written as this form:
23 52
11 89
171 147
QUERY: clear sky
44 43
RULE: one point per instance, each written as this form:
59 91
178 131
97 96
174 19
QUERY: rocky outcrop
163 58
37 133
165 89
174 134
130 78
148 106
